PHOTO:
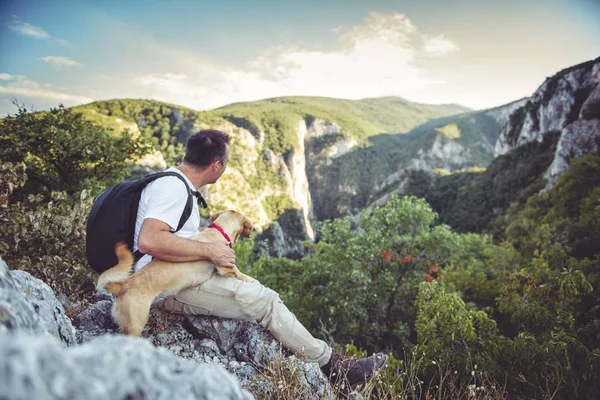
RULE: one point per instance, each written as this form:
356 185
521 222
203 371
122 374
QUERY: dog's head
243 223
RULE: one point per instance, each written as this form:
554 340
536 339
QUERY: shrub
65 152
45 238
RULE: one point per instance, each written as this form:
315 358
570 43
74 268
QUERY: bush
45 238
57 162
65 152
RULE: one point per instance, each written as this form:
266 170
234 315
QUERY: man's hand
221 255
156 240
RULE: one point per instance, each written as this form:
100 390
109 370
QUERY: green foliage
453 336
275 205
368 279
57 161
165 126
553 304
278 117
572 207
45 238
65 152
265 176
450 131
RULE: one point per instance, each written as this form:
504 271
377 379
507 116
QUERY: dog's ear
247 227
215 216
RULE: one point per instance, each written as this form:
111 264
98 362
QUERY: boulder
243 348
28 304
107 367
178 356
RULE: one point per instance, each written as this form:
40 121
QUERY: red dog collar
217 227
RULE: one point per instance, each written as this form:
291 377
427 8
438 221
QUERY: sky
206 54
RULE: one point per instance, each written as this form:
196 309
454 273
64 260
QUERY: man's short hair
205 147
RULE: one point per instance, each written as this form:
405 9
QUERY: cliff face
568 102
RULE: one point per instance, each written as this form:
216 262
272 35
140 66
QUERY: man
161 205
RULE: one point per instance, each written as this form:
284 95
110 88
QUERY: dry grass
400 380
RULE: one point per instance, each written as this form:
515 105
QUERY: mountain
369 174
568 102
542 137
276 145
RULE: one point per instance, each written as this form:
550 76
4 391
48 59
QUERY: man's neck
198 178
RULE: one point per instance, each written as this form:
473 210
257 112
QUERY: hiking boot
353 371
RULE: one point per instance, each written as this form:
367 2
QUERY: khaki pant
231 298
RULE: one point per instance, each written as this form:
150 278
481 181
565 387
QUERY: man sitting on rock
160 208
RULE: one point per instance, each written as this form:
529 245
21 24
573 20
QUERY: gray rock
591 107
553 106
28 304
576 140
109 367
243 348
285 236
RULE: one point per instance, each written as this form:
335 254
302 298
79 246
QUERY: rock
591 107
569 103
285 236
558 102
28 304
108 367
576 140
243 348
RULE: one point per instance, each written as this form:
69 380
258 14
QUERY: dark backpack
114 215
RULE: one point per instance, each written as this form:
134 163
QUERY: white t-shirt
164 200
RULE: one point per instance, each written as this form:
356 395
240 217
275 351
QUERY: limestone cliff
568 102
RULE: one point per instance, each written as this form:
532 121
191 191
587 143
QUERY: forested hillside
289 153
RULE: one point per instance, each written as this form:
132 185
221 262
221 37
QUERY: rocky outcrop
576 140
568 102
502 114
108 367
444 153
591 107
285 236
178 356
28 305
240 347
300 193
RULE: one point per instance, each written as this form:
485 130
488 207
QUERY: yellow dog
135 293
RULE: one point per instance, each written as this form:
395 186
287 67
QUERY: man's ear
215 216
247 227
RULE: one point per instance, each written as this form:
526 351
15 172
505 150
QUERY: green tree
454 337
360 284
65 152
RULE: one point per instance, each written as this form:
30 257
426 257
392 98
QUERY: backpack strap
187 211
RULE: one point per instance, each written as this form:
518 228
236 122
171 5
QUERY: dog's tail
111 277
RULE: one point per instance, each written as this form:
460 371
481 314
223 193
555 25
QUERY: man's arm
156 239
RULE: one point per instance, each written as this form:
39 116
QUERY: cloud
439 46
6 77
26 29
60 62
20 86
376 58
382 56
